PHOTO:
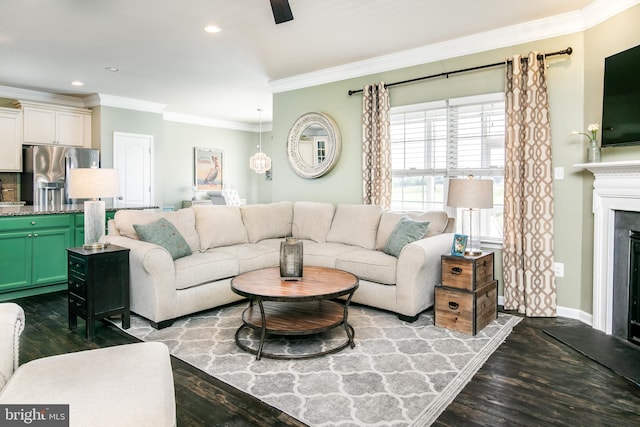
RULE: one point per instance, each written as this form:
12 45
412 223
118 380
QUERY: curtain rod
567 51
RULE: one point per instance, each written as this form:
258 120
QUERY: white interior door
132 157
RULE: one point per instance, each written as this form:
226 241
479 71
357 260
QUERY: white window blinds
434 141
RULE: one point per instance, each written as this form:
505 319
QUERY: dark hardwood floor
201 400
531 380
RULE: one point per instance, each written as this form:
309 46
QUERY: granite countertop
63 209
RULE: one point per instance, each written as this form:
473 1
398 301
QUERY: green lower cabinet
15 261
50 256
78 231
33 252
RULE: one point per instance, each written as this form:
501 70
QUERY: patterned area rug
398 374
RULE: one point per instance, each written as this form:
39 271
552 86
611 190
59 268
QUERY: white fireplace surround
616 187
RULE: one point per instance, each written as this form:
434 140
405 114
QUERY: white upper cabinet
10 140
52 124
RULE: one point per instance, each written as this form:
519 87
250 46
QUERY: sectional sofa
224 241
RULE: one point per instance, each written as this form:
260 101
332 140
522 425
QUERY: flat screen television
621 100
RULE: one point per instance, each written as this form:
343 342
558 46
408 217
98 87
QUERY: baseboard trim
571 313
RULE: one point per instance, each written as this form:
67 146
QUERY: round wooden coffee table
300 307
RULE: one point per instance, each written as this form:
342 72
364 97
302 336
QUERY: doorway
132 155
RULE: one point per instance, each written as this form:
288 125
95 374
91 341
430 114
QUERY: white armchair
126 385
225 197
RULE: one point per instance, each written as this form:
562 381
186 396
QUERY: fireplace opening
626 277
634 288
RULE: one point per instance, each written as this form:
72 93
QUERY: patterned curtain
376 146
529 280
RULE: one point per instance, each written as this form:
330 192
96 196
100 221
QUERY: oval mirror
313 145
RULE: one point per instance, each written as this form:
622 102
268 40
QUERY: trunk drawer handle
456 271
453 305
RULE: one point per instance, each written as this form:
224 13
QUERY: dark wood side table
98 285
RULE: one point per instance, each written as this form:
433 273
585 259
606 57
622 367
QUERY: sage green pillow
165 234
407 230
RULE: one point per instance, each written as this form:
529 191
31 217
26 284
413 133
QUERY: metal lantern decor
291 259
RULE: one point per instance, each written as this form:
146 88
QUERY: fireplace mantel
616 187
629 167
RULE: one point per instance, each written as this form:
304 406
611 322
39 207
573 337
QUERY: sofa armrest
419 271
11 326
112 230
152 289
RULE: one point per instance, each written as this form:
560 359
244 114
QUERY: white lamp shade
93 183
260 162
470 193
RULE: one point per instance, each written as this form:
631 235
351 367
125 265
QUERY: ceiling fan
281 11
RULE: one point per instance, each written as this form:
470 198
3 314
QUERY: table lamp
472 195
93 183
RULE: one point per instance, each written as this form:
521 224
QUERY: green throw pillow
406 231
165 234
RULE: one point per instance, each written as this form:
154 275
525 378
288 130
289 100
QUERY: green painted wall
237 146
173 149
575 97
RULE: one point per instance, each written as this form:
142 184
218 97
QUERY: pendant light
260 162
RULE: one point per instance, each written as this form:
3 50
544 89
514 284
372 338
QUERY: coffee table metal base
294 319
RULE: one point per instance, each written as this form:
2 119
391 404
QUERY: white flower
593 128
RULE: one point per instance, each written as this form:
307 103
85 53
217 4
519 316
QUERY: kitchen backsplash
9 186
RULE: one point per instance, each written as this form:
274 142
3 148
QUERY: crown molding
209 122
37 96
558 25
601 10
106 100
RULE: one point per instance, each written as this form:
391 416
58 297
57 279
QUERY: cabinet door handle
35 234
29 235
456 271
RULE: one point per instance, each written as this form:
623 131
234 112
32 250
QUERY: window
321 150
435 141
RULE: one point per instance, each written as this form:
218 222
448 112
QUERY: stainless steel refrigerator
44 178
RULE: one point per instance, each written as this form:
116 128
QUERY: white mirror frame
297 163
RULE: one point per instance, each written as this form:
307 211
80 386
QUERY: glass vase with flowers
594 150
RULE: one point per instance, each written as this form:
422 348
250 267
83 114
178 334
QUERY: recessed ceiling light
77 83
212 29
112 69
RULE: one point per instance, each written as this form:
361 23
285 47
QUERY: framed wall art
459 244
208 169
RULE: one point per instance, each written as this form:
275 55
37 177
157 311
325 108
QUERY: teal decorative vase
593 152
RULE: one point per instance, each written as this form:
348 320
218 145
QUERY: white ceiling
165 57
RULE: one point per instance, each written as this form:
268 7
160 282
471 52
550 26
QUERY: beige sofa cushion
204 267
251 256
355 225
122 385
324 254
183 219
267 221
219 225
312 220
374 266
437 223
